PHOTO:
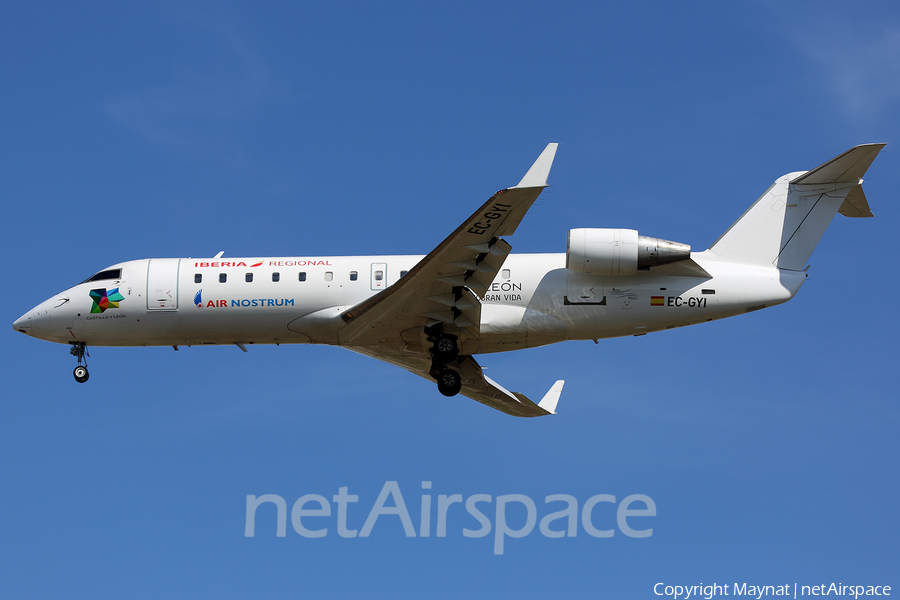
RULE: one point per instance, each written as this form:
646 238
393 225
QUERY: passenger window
198 278
504 273
302 276
223 277
276 276
379 275
403 273
248 277
329 275
354 275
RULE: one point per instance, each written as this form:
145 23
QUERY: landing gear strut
444 350
79 351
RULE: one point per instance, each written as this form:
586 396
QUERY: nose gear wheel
79 351
81 374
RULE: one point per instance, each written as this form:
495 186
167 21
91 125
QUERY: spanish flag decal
657 300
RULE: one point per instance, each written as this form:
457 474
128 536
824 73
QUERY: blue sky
767 442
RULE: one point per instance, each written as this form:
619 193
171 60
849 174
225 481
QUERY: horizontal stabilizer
849 166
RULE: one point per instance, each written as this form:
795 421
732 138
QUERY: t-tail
784 225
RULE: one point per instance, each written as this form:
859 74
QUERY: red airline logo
272 263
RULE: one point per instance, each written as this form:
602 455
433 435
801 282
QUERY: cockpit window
110 274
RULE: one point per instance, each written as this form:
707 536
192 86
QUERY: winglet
551 398
537 174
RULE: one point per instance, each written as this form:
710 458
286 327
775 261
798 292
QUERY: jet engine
619 251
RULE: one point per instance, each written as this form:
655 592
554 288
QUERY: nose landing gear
79 351
81 374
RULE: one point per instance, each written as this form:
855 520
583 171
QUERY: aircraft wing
444 289
476 385
445 286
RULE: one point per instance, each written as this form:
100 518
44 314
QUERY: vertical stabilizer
784 225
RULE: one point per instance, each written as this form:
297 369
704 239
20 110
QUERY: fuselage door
379 276
162 284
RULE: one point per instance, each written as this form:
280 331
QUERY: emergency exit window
379 275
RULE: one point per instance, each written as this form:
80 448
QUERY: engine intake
619 251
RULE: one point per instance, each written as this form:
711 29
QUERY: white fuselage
533 301
431 315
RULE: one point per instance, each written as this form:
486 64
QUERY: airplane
432 315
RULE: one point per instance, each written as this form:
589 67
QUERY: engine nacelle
619 251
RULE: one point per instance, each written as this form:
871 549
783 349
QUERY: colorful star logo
104 299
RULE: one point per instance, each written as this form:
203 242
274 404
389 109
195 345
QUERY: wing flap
481 388
476 385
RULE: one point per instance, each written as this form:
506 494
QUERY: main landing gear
444 350
79 351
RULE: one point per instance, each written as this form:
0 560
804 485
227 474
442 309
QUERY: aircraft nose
23 323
